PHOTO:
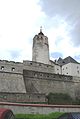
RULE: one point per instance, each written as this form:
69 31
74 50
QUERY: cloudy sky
20 20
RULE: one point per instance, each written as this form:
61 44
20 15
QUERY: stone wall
40 49
46 82
11 66
32 77
39 109
12 82
37 66
22 97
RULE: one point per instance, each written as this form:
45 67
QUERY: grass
39 116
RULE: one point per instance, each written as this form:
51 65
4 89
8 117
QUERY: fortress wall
11 82
47 82
77 86
36 66
11 66
21 97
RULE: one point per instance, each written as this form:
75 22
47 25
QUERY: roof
40 33
54 62
67 60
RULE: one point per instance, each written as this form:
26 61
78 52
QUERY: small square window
77 67
30 63
12 69
2 67
78 72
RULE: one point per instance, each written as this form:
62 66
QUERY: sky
20 21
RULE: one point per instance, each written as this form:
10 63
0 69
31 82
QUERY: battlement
17 67
11 62
11 66
37 66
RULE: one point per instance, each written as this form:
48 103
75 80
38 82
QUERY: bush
59 98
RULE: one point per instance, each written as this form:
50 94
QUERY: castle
31 81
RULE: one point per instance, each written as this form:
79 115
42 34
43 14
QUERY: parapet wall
11 66
36 66
17 67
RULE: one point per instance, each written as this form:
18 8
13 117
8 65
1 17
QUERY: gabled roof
67 60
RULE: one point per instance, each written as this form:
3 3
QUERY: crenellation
10 66
37 66
10 62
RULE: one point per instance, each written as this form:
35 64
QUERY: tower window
78 72
77 67
41 37
2 67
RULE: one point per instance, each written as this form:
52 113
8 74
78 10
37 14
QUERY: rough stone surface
46 82
40 49
11 82
22 97
35 78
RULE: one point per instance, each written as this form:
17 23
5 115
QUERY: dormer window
12 69
2 67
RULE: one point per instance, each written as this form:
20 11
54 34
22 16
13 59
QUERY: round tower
40 49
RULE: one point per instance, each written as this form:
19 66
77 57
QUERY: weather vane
40 28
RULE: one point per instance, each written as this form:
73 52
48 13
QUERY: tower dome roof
40 33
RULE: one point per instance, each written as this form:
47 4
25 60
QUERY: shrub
59 98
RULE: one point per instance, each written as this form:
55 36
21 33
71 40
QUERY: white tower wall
40 50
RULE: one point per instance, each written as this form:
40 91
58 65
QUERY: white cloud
20 20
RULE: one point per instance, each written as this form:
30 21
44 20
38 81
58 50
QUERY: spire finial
40 28
41 33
